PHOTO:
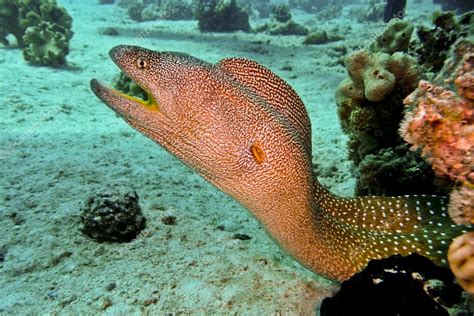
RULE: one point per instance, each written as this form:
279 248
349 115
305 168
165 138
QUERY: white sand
60 145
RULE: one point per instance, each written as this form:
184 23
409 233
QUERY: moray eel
247 132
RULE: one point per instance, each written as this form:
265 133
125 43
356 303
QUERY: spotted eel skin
247 132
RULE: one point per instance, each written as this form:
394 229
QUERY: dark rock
169 220
110 31
3 253
241 236
112 217
411 285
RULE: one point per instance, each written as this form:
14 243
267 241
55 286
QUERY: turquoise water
184 245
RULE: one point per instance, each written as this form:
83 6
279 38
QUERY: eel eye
142 63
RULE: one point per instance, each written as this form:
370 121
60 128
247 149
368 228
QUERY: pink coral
441 124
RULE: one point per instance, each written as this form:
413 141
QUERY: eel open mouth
120 101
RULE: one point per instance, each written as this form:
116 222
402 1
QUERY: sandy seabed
60 145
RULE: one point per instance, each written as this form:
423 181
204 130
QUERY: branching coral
440 122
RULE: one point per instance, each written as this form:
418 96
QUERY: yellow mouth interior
150 103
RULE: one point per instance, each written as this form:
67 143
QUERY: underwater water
186 247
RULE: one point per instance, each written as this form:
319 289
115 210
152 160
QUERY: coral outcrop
282 24
221 16
47 44
394 38
458 5
150 10
17 15
434 43
41 27
411 285
461 260
370 105
370 108
440 123
112 217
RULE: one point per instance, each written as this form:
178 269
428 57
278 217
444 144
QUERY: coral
150 10
281 13
17 15
411 285
394 38
221 16
393 171
370 108
282 24
440 122
41 27
113 217
434 43
458 5
374 75
320 37
46 44
461 260
288 28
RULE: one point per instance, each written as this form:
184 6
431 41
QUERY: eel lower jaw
120 102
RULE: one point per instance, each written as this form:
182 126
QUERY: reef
150 10
370 108
282 24
461 261
411 285
318 37
281 13
456 5
40 27
434 43
112 217
439 122
221 16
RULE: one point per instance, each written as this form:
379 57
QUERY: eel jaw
123 104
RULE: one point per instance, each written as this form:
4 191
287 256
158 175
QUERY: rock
411 285
112 217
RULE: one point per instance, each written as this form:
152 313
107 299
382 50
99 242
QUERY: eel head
208 118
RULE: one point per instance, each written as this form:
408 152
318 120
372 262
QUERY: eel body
247 132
